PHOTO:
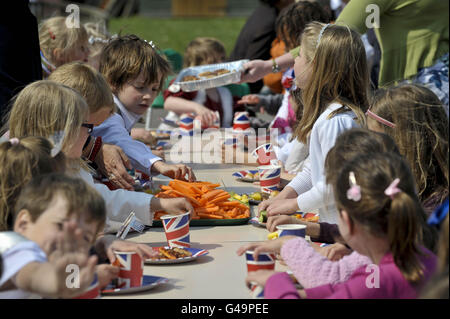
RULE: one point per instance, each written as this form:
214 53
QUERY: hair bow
392 189
354 192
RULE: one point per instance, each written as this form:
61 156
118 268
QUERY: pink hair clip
354 192
392 189
14 141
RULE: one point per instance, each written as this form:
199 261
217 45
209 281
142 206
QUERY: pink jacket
390 284
312 269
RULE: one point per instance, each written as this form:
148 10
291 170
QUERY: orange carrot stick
210 216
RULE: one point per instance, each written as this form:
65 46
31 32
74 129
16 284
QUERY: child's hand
259 276
113 163
207 116
249 99
335 251
274 221
286 206
173 206
106 273
175 171
141 134
143 250
268 246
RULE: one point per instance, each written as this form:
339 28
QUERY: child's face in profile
138 97
302 70
49 226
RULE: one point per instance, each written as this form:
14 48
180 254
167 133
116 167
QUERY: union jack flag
269 179
131 270
264 261
241 121
257 291
92 292
177 231
186 122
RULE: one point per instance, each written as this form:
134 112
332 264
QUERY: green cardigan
413 33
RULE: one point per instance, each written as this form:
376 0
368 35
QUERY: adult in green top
413 34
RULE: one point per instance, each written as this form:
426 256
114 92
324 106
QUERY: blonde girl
415 118
45 107
332 72
23 159
60 44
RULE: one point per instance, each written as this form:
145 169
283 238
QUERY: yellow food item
273 235
249 175
274 194
256 196
237 196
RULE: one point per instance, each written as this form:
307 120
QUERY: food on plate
190 78
207 74
160 135
208 202
172 253
273 194
222 71
256 196
308 217
263 216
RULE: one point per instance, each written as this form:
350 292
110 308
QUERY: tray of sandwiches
208 76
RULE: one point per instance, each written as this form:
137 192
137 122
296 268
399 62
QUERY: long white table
218 275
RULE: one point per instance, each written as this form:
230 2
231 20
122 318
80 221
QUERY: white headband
321 33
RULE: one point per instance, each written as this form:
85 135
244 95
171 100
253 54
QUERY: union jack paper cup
131 269
264 261
92 292
269 178
216 123
257 291
291 230
186 124
241 121
176 228
264 154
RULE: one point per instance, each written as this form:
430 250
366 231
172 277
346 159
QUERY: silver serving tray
235 68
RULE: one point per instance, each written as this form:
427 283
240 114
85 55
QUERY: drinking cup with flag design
264 154
176 228
131 269
291 230
269 178
264 261
241 121
186 124
92 292
257 291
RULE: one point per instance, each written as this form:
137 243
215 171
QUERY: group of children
374 187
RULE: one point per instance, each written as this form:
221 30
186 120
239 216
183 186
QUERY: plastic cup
92 292
131 269
269 178
241 121
291 230
257 291
264 261
264 154
176 228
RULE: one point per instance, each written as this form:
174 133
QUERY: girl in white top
331 70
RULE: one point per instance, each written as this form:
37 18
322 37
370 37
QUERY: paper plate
242 175
194 251
148 282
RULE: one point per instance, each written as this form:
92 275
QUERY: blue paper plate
148 282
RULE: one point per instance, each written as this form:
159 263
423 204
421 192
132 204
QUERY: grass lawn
176 33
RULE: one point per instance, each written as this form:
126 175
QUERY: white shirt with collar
116 130
310 185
